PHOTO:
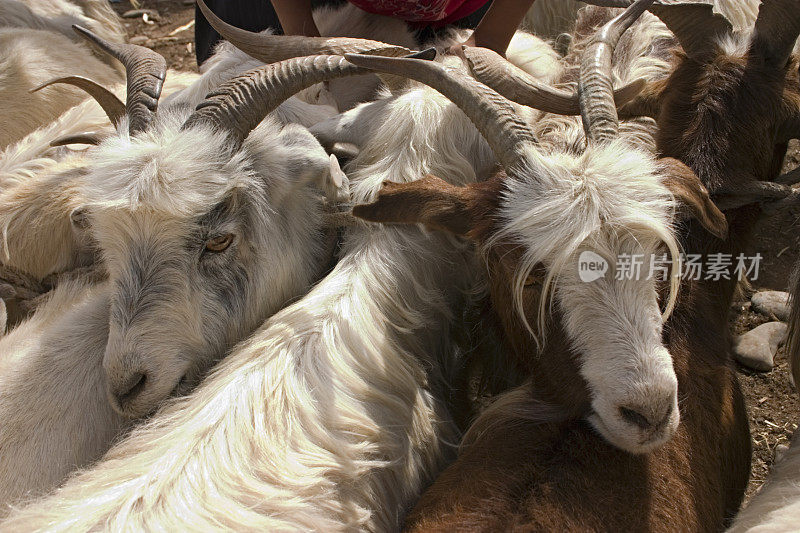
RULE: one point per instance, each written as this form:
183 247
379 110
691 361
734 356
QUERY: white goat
205 230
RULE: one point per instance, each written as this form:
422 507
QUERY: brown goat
727 111
531 460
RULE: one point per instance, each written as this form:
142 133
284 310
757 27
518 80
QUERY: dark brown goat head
732 102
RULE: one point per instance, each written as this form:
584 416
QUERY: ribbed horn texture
145 71
272 48
776 31
595 87
113 107
240 104
491 69
693 22
493 115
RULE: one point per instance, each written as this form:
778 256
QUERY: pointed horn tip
85 33
429 54
42 86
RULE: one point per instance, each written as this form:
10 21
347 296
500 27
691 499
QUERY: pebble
139 39
772 302
756 349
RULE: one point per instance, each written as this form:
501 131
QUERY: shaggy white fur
49 365
327 418
776 507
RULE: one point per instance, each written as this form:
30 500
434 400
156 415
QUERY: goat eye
219 244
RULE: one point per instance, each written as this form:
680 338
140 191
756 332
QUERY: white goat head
205 228
541 215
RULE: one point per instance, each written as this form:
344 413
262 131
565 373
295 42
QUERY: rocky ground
772 403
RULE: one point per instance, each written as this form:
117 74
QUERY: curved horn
273 48
490 68
90 138
595 88
113 107
493 115
240 104
145 71
776 31
695 23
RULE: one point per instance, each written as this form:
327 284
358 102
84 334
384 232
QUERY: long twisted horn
273 48
595 88
695 23
145 71
240 104
490 68
493 115
112 105
776 31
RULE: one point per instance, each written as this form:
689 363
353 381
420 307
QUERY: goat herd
212 326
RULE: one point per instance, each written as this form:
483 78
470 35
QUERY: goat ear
692 196
307 162
430 201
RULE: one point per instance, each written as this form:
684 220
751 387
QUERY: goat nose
128 388
646 418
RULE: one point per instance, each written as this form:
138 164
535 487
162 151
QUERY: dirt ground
772 403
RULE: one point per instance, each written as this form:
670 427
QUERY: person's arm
295 17
499 24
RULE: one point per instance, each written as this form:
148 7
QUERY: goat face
607 203
200 246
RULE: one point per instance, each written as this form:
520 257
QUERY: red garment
426 12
